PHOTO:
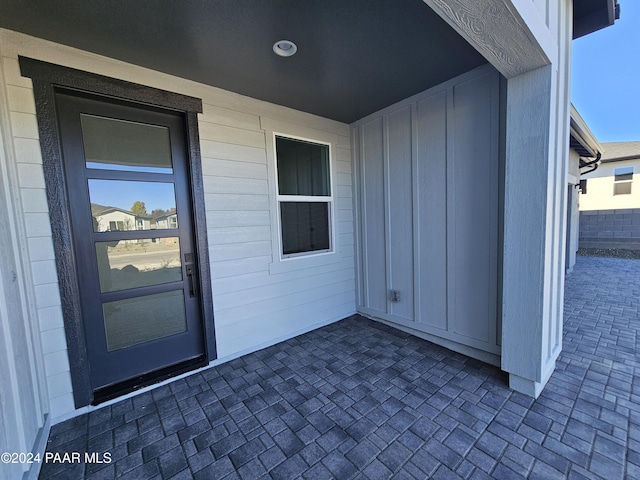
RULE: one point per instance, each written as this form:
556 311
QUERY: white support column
530 214
535 216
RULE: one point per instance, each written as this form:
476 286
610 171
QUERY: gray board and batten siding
428 173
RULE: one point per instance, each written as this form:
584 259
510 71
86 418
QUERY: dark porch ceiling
592 15
354 56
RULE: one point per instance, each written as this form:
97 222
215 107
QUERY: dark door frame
47 79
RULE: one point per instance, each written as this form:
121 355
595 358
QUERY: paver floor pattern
358 399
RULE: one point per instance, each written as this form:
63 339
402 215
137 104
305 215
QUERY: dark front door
128 189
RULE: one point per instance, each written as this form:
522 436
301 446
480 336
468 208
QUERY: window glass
123 205
622 188
304 196
114 144
142 319
624 173
128 264
305 226
303 168
622 180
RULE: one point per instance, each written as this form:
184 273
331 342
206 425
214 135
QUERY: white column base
530 387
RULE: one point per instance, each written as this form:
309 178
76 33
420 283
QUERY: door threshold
116 390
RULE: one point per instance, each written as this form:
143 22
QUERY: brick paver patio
358 399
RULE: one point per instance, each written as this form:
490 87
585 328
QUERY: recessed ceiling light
285 48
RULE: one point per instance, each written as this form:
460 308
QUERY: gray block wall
610 229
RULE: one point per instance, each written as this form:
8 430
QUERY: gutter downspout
595 163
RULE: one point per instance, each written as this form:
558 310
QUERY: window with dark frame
623 178
304 195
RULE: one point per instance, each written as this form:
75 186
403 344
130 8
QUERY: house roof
97 209
620 151
162 216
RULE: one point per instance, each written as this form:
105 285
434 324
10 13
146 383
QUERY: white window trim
297 261
304 198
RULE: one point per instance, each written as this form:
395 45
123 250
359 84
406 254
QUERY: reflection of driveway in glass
131 265
146 261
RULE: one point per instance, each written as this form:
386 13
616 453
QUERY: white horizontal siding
233 168
284 288
227 218
27 150
227 151
34 200
232 251
50 318
231 268
44 272
252 304
229 202
247 186
20 99
241 283
40 248
39 257
246 312
225 116
271 328
23 125
232 135
232 235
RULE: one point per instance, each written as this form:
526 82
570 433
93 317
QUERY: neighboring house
408 163
112 219
584 156
610 206
167 220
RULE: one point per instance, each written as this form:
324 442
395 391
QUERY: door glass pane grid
142 319
127 264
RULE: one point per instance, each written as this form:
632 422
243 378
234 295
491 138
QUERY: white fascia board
583 135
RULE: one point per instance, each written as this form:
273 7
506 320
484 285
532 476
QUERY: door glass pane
142 319
113 144
303 168
138 263
305 226
121 205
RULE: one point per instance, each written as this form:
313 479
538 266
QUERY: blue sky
606 77
123 194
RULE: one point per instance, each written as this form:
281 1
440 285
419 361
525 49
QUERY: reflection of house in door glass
113 219
118 205
167 219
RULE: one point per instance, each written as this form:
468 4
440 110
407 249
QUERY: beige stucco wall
600 188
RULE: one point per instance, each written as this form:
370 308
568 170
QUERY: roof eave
591 21
583 136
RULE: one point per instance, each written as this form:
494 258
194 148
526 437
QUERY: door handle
192 285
